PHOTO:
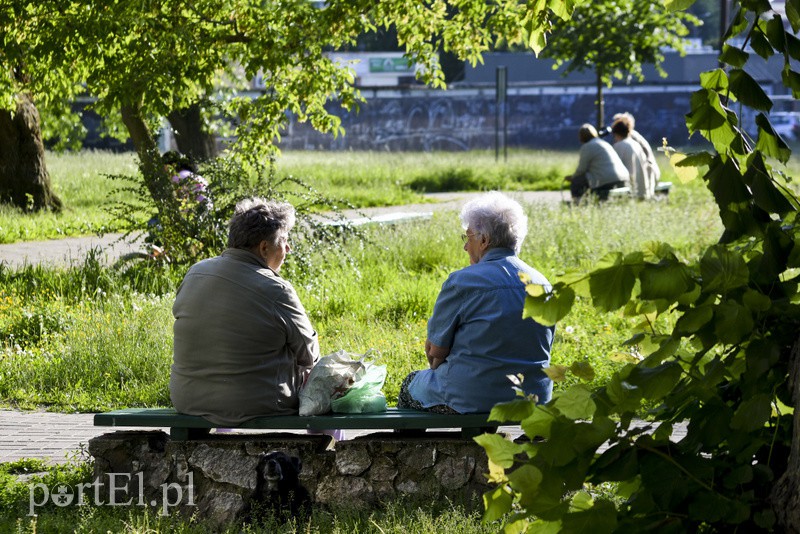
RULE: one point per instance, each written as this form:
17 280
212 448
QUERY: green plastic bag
365 395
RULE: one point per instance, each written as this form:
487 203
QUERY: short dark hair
256 219
587 132
621 127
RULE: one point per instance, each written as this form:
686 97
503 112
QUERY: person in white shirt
634 159
652 166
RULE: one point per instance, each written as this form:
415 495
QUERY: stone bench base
216 477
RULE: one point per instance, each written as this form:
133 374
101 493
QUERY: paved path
58 437
73 250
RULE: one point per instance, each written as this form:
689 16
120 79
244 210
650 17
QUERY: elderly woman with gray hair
243 344
476 335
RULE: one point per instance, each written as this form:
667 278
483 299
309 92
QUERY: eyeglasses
465 237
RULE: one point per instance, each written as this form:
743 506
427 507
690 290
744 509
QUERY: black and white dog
278 488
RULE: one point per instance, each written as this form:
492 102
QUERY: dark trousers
580 185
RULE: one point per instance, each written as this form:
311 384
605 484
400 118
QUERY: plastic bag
365 395
329 379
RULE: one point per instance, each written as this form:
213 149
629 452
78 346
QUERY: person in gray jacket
243 343
599 167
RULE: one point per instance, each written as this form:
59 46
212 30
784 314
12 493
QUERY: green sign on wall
389 64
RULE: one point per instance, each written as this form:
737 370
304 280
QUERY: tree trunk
24 181
600 103
785 495
190 136
156 178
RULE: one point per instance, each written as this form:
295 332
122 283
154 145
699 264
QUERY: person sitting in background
634 159
243 343
476 335
652 166
599 168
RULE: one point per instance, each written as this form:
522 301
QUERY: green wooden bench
185 427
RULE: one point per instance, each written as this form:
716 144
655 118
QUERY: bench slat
392 418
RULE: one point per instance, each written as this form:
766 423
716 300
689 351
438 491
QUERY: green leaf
761 45
714 80
583 370
666 349
515 410
765 194
759 6
684 172
791 79
576 402
525 479
723 137
611 287
698 159
793 46
538 424
678 5
499 449
556 373
619 462
733 322
581 501
561 8
707 506
625 396
752 414
794 255
735 57
601 518
497 503
666 280
706 113
544 527
769 142
655 382
722 269
548 309
748 91
792 8
776 34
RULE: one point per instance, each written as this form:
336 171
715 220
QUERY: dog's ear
297 463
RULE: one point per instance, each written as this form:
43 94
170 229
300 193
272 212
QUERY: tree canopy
614 39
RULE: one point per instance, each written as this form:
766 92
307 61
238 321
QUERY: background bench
184 427
662 189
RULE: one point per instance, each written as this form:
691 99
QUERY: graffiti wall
468 119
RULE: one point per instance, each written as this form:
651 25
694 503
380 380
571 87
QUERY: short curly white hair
497 217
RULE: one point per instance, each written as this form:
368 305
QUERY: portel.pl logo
124 489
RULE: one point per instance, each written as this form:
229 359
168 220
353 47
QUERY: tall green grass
91 338
358 179
79 179
387 178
